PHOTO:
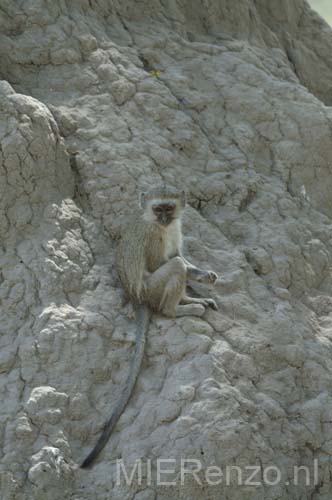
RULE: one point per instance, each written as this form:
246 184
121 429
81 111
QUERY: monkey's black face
164 213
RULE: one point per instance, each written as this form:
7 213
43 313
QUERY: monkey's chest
166 245
171 242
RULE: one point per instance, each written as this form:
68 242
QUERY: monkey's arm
197 274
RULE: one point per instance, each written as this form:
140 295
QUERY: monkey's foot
190 310
211 303
199 301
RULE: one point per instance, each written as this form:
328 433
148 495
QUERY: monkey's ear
183 199
142 200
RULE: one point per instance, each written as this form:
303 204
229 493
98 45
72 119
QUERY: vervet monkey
153 273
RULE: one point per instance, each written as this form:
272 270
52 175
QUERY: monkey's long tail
143 315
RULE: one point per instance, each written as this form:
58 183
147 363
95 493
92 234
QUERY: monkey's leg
190 310
166 287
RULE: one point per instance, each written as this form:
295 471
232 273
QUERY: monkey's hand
196 274
209 277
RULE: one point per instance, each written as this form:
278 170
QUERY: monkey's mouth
165 222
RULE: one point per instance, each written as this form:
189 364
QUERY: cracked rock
230 101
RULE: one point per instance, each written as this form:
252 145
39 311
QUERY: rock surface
98 100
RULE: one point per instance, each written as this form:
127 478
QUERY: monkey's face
164 213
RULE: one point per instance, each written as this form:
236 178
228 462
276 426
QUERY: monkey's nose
163 219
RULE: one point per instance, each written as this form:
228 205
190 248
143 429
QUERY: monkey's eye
157 210
169 209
